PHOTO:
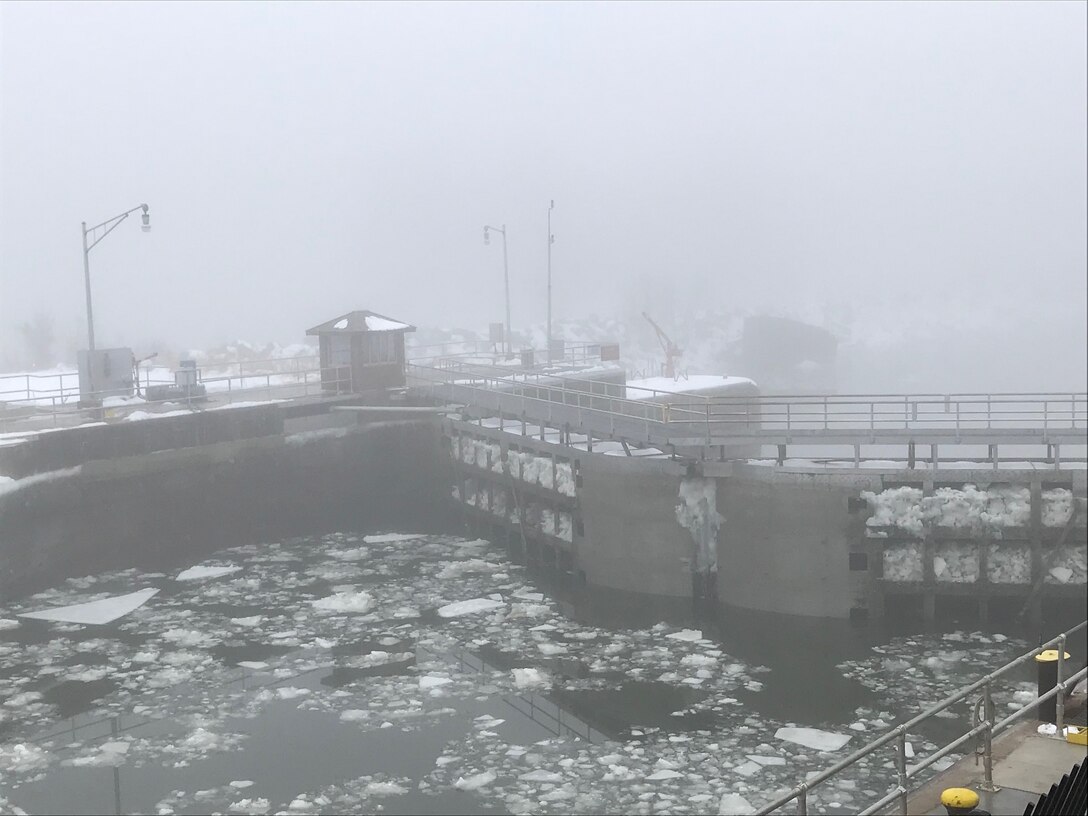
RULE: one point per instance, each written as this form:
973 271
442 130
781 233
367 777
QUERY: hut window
380 347
339 350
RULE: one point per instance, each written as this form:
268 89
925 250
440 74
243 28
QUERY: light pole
551 240
506 281
110 224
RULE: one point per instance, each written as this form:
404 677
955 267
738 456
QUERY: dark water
377 703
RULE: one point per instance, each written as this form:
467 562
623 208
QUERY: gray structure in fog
787 356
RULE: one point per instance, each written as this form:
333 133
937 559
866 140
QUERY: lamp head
146 218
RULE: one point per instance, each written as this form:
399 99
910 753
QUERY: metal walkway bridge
602 409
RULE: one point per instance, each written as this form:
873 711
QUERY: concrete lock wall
632 539
174 507
786 540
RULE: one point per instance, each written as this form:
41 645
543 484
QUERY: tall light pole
109 225
551 240
506 281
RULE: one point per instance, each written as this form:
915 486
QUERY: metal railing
985 730
479 350
63 386
694 416
62 411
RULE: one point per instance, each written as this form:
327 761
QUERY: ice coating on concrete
697 513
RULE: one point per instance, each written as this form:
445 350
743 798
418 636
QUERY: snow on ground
400 668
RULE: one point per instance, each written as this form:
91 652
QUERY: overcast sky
303 159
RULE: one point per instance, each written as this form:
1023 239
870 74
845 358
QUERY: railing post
1044 416
901 769
802 800
988 739
1059 700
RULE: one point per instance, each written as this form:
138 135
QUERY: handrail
314 380
777 413
988 728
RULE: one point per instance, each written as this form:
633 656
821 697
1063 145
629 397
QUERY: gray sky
912 162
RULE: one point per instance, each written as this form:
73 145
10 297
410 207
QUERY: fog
916 171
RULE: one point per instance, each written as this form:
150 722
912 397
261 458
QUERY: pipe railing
715 415
310 381
271 366
987 729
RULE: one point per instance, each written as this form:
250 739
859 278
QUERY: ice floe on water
512 704
101 611
813 738
200 573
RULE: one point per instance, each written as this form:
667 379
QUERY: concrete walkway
1026 764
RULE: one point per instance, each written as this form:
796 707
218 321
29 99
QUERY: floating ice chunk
530 678
291 692
355 603
748 768
22 757
253 806
813 738
541 776
429 681
256 665
389 538
657 776
689 635
253 621
385 789
552 648
733 804
240 784
198 573
7 623
95 612
767 760
470 607
474 782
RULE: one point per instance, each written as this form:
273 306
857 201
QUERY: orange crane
672 351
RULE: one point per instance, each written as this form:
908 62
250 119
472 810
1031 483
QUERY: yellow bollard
959 800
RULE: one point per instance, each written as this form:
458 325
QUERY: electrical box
105 373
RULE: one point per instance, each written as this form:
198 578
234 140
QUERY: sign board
610 351
495 333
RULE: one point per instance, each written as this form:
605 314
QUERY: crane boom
672 351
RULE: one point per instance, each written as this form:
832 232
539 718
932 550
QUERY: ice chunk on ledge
388 538
199 573
95 612
813 738
469 607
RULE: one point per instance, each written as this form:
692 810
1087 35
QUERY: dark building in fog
787 356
